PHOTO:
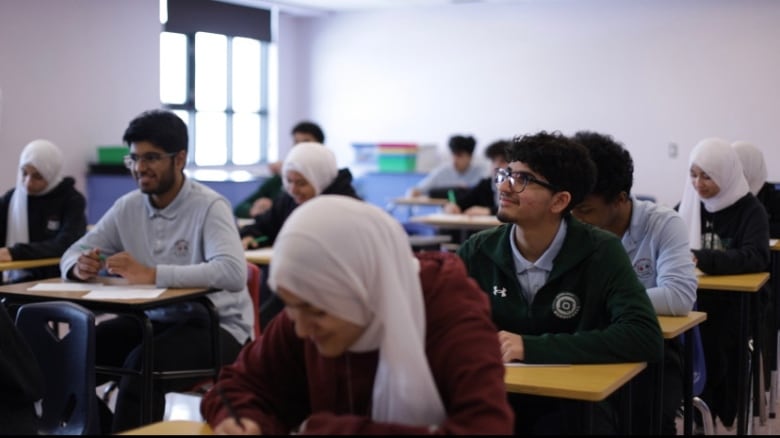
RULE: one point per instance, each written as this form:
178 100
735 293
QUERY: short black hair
614 166
311 128
563 162
461 143
497 149
161 128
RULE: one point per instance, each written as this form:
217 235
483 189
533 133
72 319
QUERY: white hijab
315 162
753 164
46 157
719 160
353 260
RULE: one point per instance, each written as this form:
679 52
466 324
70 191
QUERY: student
561 291
262 199
728 231
42 215
656 240
172 232
309 170
373 339
754 168
462 173
21 380
482 199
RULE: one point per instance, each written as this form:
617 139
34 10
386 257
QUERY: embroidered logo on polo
181 248
644 268
501 292
565 305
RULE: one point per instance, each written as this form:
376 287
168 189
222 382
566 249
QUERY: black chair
62 337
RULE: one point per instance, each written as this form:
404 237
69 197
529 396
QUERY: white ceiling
302 6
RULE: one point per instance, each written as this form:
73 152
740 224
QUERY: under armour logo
497 291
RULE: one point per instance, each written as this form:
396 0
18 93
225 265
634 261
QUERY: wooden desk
747 285
18 293
174 427
261 256
587 383
672 327
420 201
462 222
27 264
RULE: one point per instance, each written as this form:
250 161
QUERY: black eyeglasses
150 158
519 180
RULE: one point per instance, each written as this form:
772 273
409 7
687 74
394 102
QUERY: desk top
261 256
19 290
26 264
173 427
593 382
457 221
419 200
734 283
673 326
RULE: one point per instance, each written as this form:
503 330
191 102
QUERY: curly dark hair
563 162
614 166
311 128
460 143
161 128
497 149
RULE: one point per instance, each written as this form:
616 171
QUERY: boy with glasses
562 292
172 232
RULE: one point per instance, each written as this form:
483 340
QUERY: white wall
74 72
647 72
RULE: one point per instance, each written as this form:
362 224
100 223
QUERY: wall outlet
672 150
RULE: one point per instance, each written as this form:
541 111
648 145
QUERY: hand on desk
511 346
451 208
5 255
229 426
260 206
91 261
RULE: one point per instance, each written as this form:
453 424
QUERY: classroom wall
74 72
650 73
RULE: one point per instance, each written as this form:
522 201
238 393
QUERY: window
214 75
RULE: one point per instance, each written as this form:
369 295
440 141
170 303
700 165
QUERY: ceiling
302 6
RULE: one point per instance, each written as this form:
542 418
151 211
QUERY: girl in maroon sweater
373 340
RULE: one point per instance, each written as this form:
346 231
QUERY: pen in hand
101 256
260 239
229 407
451 196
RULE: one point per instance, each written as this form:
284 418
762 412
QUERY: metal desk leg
688 383
742 378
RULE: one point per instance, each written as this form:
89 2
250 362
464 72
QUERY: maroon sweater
281 380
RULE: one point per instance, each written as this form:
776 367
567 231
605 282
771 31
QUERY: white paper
262 252
773 242
64 287
115 293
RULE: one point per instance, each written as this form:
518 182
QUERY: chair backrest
253 279
61 335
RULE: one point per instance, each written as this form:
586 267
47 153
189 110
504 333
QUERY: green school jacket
592 309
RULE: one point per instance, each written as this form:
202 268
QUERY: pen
451 196
260 239
229 407
101 256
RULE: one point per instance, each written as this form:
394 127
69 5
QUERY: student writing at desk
561 291
459 174
43 215
171 232
262 199
373 340
309 170
656 240
728 232
482 199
